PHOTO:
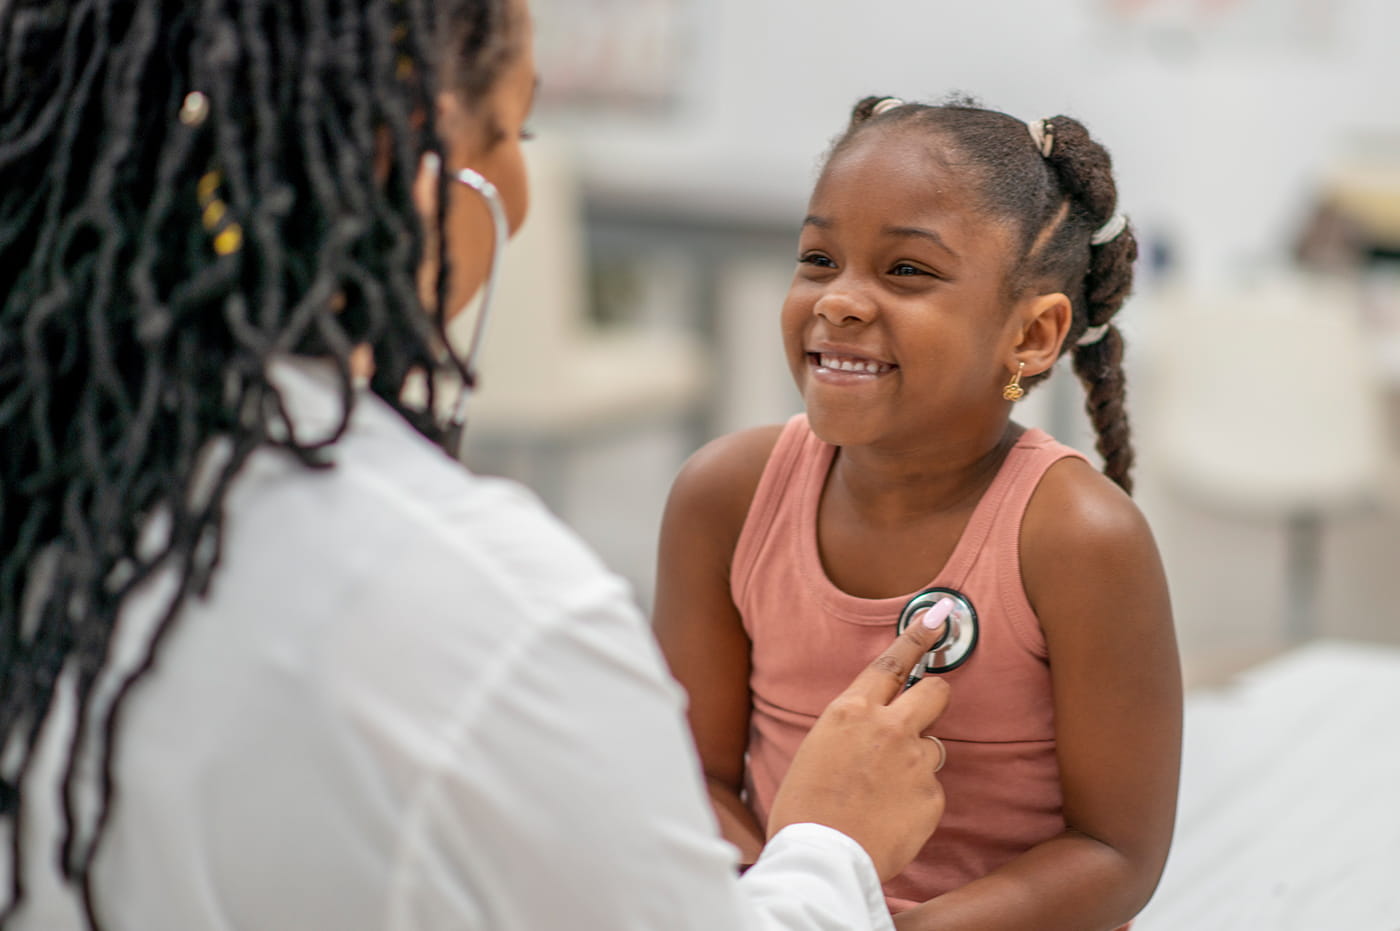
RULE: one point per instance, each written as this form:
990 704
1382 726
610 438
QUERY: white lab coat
413 700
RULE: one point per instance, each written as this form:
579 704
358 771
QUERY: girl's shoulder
717 484
1080 529
1076 506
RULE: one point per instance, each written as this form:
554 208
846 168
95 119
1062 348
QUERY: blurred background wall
1257 149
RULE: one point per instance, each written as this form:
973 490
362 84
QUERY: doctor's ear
1042 324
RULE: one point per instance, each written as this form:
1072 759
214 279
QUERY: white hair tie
885 106
1044 136
1093 335
1110 230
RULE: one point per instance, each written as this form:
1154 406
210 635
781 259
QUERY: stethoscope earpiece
959 638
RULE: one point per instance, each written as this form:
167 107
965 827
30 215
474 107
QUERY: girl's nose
845 307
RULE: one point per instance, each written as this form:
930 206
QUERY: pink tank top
810 639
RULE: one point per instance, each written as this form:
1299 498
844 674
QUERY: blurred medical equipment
1272 405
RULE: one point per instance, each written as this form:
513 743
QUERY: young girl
950 255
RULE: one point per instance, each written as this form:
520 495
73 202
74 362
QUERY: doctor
268 658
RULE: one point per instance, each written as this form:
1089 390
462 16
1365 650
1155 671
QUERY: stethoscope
955 645
457 422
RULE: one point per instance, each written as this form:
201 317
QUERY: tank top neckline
854 609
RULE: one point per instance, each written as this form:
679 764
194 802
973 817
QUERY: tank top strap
996 521
796 459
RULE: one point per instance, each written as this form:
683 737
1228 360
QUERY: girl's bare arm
1095 579
697 623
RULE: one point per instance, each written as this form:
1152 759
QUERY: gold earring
1013 391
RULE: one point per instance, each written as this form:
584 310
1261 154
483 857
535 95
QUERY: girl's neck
891 487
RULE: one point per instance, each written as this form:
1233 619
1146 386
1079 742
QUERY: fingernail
433 162
934 617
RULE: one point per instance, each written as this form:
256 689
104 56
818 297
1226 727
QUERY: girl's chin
841 427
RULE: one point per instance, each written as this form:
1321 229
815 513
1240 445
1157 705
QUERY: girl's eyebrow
901 232
918 232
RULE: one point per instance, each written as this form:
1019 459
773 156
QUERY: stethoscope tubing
501 226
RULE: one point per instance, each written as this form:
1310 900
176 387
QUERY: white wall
1217 135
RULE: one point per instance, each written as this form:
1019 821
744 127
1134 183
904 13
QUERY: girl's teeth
853 365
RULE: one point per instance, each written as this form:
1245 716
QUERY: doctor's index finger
923 702
886 675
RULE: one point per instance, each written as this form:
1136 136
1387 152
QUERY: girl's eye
905 270
816 259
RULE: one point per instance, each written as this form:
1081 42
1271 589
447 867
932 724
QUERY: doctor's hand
864 769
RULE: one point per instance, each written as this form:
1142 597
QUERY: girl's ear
1044 322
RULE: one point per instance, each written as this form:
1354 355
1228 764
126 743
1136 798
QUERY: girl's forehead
906 170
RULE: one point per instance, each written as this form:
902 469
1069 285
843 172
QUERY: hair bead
1110 230
195 109
885 106
1043 135
1093 335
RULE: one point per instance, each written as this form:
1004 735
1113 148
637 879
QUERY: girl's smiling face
896 325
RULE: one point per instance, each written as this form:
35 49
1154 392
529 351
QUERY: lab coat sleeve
571 798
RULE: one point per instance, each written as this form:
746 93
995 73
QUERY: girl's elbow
1137 867
1143 866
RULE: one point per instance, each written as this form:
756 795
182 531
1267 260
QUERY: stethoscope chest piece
960 637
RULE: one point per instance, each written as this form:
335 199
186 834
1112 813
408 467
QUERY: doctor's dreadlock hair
187 188
1058 201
